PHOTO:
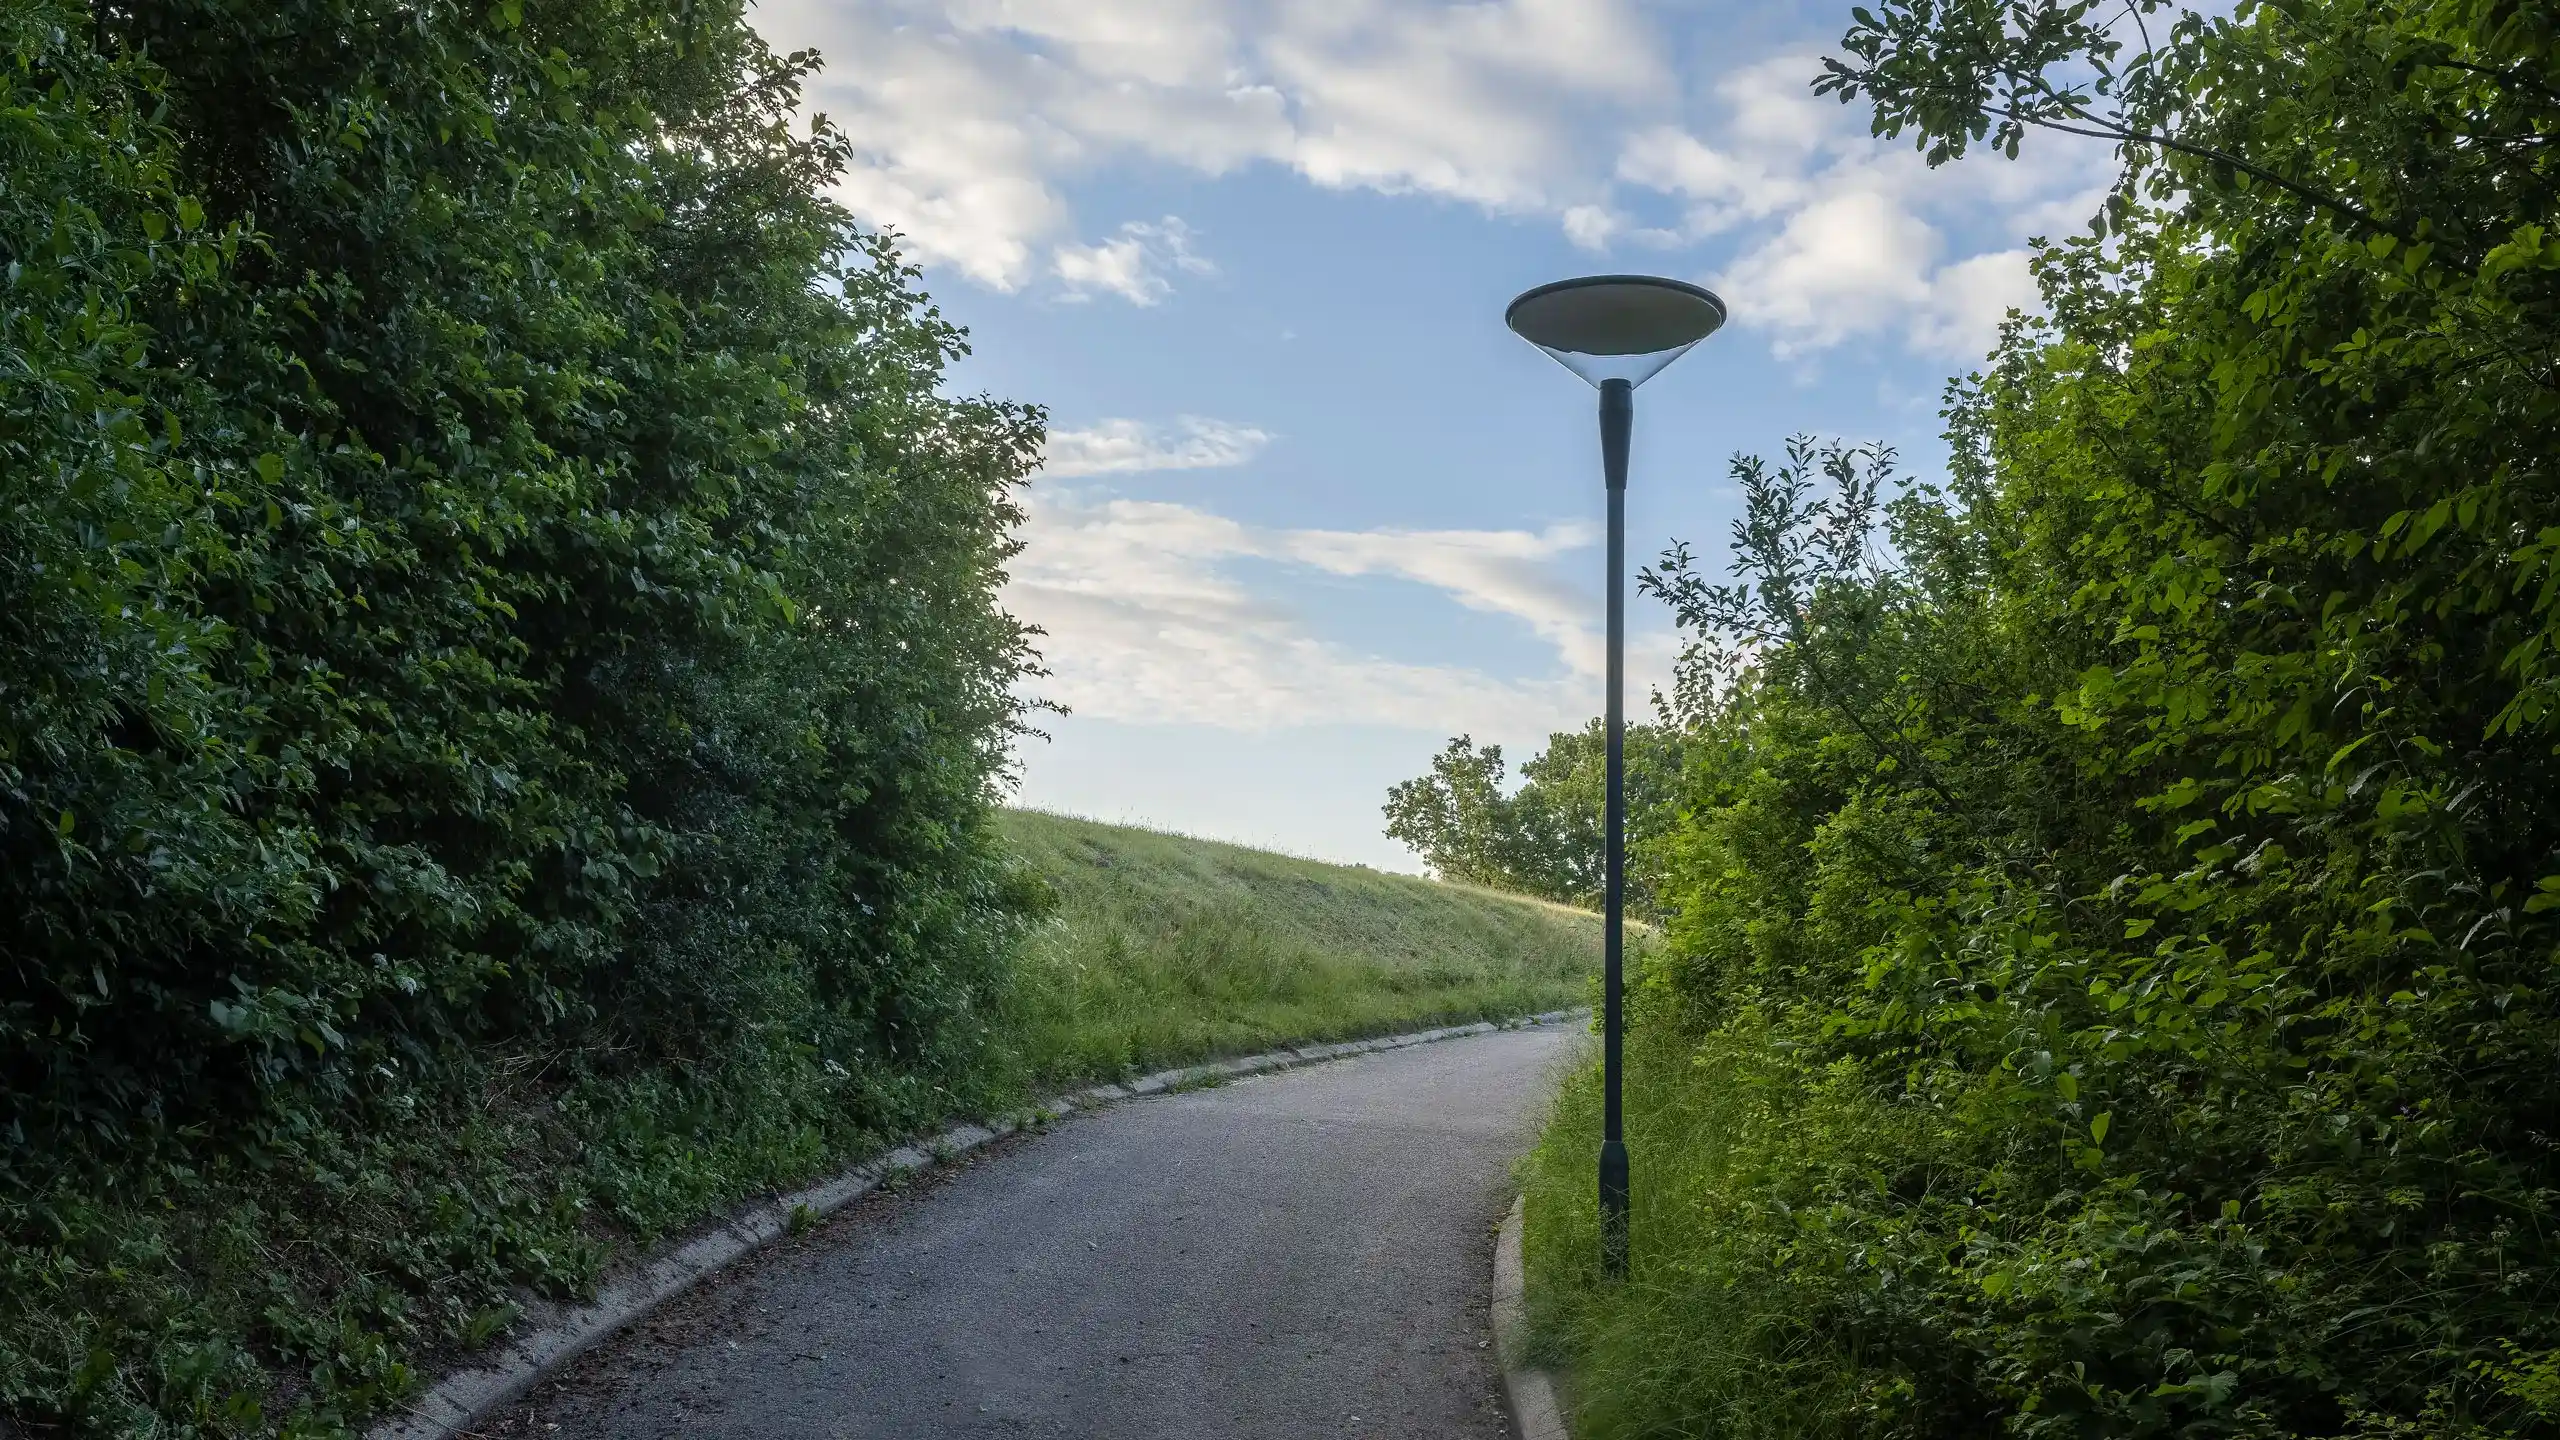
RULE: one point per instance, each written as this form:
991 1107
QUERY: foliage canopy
496 619
2120 887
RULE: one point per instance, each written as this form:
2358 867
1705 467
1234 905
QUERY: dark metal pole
1617 422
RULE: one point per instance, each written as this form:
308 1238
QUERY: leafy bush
499 680
2110 976
1755 1165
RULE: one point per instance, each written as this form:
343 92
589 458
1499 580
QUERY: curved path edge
1535 1415
466 1395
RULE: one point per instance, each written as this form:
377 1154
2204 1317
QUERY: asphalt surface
1299 1254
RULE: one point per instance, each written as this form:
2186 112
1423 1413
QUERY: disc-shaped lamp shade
1615 327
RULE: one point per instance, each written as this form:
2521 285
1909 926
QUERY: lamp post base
1613 1209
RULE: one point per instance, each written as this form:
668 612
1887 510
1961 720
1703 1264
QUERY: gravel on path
1297 1254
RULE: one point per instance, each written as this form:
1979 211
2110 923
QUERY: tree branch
1920 768
2124 134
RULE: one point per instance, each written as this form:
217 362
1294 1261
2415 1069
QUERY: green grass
1741 1262
1164 949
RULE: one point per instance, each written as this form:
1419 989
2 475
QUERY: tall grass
1740 1264
1161 949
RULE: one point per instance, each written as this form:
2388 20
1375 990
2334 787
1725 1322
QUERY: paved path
1300 1254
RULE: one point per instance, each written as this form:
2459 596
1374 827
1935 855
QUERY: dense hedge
496 619
2112 983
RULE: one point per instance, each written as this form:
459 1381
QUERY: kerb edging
1535 1415
468 1395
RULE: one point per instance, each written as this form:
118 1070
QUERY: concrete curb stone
1535 1415
560 1334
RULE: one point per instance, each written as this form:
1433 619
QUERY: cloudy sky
1309 510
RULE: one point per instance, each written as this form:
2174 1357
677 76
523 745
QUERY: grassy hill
1163 948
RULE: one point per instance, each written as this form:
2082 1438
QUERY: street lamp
1616 331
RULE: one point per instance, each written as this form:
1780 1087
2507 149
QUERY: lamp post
1617 332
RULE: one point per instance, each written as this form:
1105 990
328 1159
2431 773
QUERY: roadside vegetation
2114 894
500 681
1157 949
501 702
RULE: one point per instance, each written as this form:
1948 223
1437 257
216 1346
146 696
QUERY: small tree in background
1545 839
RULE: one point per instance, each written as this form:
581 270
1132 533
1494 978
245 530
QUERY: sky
1308 509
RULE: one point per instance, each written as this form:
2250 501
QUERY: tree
1464 826
1545 839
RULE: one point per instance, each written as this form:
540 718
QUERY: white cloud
1133 265
1849 262
1843 235
1474 102
941 151
1191 443
1722 189
1501 572
1145 623
970 118
967 115
1969 299
1592 226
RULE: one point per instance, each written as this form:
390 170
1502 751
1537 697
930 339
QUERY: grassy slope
1164 949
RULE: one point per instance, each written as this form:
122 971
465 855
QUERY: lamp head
1615 327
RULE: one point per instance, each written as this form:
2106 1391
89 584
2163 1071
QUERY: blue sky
1309 509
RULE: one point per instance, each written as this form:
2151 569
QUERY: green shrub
1758 1247
500 680
2129 868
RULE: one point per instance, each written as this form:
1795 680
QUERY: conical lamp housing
1616 327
